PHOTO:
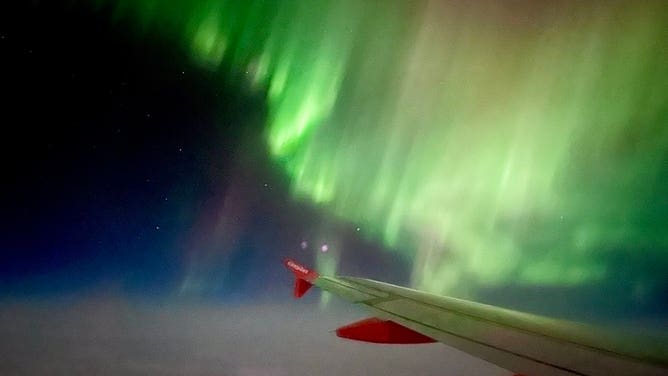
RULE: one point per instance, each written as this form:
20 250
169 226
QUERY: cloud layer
110 336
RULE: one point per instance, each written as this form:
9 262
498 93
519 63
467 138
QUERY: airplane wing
519 342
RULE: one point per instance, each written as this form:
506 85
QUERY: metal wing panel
520 342
350 291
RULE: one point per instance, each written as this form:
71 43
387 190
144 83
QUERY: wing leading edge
520 342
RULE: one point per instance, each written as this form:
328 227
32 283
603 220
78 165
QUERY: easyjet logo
297 267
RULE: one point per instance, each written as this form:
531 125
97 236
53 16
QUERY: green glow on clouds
491 142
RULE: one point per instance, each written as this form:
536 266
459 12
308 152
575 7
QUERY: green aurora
489 142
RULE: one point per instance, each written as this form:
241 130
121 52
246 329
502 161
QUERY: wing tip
304 277
300 271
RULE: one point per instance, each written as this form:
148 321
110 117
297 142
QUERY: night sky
160 159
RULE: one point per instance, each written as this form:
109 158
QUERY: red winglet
304 277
